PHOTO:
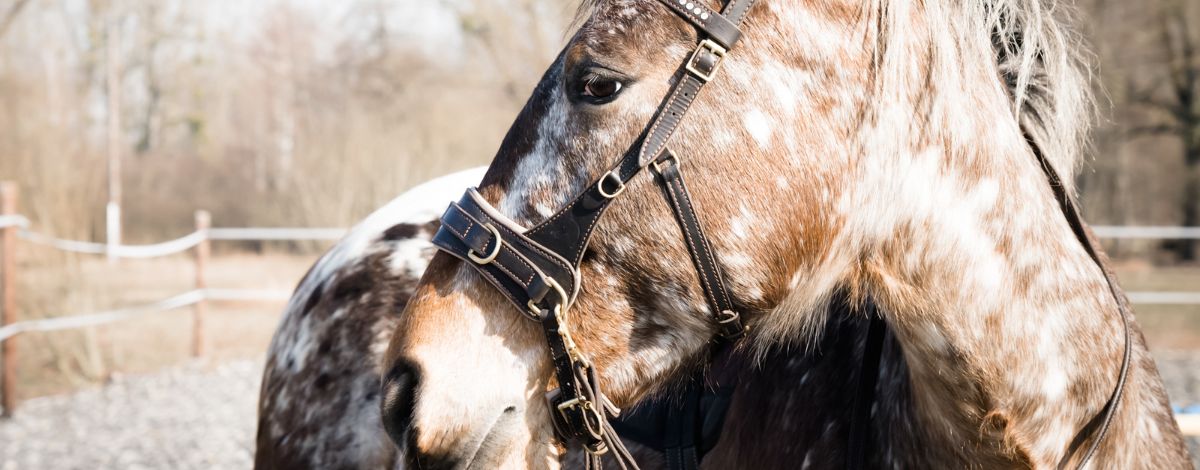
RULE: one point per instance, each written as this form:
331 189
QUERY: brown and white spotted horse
318 407
894 151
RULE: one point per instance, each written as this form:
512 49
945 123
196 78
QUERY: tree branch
11 16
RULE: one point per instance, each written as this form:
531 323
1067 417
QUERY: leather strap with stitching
1097 428
711 279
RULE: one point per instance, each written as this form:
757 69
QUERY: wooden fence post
203 222
8 249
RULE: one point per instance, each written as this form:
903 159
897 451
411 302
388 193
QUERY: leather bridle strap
1099 425
538 269
711 280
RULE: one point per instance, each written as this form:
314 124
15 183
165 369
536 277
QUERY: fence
14 226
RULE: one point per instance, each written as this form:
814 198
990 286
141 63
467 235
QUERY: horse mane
1046 69
1040 60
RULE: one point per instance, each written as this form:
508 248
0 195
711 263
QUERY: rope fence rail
14 225
82 320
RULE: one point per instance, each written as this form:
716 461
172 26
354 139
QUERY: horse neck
1008 327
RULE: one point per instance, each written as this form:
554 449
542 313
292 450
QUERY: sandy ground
129 396
202 417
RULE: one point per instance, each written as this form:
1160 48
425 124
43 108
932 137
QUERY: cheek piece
538 269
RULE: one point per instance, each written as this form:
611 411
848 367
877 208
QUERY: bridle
537 269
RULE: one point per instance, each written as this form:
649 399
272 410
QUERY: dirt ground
58 362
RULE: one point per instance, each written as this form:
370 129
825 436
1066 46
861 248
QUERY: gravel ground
190 417
196 417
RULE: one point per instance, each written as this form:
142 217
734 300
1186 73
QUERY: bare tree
1172 97
11 15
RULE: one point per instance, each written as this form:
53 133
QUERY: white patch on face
540 168
781 182
759 127
449 399
737 260
1054 385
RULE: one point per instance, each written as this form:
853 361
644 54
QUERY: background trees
320 111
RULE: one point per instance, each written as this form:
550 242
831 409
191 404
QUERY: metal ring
613 176
562 295
495 250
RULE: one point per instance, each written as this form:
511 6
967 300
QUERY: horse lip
490 434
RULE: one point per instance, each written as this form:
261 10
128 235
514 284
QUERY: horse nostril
398 389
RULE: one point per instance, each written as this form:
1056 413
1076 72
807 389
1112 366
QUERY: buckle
657 167
562 298
593 437
712 48
495 250
731 325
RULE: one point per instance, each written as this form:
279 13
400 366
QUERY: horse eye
600 88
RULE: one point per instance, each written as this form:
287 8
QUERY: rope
68 322
14 221
275 234
1147 232
169 247
156 250
1164 298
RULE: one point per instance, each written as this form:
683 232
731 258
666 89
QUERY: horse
894 153
319 389
318 404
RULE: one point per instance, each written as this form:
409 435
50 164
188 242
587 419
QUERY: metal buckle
611 175
714 49
585 407
495 250
562 295
658 168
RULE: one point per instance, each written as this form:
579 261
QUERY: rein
537 269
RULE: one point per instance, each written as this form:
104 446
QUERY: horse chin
505 444
497 447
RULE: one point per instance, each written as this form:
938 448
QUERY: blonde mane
1039 59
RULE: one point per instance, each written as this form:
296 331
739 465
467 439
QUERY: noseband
537 269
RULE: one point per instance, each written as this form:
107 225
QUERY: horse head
763 144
